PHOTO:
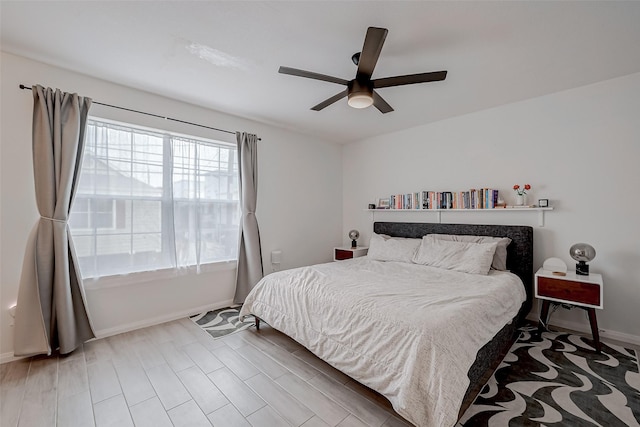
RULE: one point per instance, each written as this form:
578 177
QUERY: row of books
482 198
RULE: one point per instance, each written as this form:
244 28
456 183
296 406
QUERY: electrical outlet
276 257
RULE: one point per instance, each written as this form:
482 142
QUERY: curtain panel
249 270
51 310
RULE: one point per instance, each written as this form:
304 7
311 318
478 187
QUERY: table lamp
583 253
353 235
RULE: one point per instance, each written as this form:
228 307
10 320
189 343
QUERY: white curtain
149 200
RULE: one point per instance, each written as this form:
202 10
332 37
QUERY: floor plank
72 377
204 392
234 361
202 357
325 408
175 357
103 381
315 422
262 361
75 410
266 417
39 404
369 412
112 412
321 366
13 378
284 403
238 393
352 421
189 415
133 380
167 386
228 416
150 413
285 358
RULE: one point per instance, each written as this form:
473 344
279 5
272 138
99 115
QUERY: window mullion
168 209
197 175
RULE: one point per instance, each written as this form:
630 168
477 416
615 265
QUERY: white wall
299 203
579 148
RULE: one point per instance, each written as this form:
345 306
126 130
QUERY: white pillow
386 248
499 258
467 257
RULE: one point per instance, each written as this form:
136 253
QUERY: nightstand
340 254
581 291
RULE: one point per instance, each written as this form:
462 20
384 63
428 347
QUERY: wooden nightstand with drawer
340 254
573 289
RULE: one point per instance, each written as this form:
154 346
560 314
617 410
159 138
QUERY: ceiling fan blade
381 104
312 75
409 79
373 42
331 100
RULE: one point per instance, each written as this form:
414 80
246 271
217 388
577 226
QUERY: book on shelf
474 198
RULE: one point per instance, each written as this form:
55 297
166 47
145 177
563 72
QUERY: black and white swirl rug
222 322
557 379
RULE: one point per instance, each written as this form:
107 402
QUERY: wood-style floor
175 374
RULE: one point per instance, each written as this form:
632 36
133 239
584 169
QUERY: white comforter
408 331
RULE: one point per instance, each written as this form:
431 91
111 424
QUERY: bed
421 336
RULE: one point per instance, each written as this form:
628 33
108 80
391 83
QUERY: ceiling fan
360 91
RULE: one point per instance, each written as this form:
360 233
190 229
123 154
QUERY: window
150 200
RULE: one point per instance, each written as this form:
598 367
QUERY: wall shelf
439 212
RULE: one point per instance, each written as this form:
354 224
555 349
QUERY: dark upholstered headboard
519 251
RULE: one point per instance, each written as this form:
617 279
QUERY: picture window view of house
150 200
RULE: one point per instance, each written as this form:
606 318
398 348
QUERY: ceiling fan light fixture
360 95
360 100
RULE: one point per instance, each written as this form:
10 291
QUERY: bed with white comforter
409 331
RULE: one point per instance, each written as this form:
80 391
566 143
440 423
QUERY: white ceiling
495 52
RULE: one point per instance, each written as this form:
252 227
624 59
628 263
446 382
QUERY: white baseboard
586 329
9 357
103 333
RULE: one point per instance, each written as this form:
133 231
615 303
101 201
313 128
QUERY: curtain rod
25 87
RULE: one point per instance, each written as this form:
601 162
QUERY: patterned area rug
222 322
558 380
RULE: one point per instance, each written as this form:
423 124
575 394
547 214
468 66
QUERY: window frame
167 201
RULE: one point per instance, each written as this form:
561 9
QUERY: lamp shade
582 252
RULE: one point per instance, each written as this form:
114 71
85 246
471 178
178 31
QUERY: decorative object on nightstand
572 290
353 235
583 253
340 254
556 266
